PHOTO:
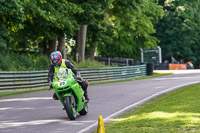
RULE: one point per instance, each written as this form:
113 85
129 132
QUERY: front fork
61 96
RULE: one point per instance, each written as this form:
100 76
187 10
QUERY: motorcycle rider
56 63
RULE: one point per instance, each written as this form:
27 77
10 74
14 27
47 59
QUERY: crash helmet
56 58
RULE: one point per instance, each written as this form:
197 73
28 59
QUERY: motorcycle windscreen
62 73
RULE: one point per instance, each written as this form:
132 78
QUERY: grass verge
103 82
174 112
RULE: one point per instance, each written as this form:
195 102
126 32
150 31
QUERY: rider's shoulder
67 61
51 66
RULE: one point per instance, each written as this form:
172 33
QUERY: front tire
70 106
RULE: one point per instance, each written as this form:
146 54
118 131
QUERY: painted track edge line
132 106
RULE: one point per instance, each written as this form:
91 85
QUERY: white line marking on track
24 99
9 124
109 118
2 109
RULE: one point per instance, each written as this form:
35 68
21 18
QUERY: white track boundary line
109 118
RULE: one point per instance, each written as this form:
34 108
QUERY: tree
11 17
98 30
113 27
39 23
134 27
54 19
92 9
179 30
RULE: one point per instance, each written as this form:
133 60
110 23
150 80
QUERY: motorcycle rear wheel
70 106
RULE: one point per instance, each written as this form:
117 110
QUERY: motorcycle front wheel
70 106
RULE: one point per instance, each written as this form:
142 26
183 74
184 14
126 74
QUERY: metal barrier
23 79
38 79
113 73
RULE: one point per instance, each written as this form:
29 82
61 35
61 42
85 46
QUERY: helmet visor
55 61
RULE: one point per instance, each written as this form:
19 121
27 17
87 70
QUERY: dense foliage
30 62
26 24
23 62
179 30
115 28
133 22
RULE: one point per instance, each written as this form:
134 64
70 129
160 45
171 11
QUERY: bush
5 62
89 64
42 62
10 61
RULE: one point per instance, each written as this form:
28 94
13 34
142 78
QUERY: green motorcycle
70 93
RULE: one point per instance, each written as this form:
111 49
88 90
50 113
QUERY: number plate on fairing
61 83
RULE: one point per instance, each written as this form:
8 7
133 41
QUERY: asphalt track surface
39 113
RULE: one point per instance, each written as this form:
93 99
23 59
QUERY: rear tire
70 106
84 111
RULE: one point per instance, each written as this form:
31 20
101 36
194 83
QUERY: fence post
109 61
126 62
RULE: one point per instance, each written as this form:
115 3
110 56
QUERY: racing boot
85 86
86 96
55 96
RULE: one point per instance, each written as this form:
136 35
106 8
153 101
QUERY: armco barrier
113 73
23 79
38 79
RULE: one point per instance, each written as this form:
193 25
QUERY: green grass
174 112
103 82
